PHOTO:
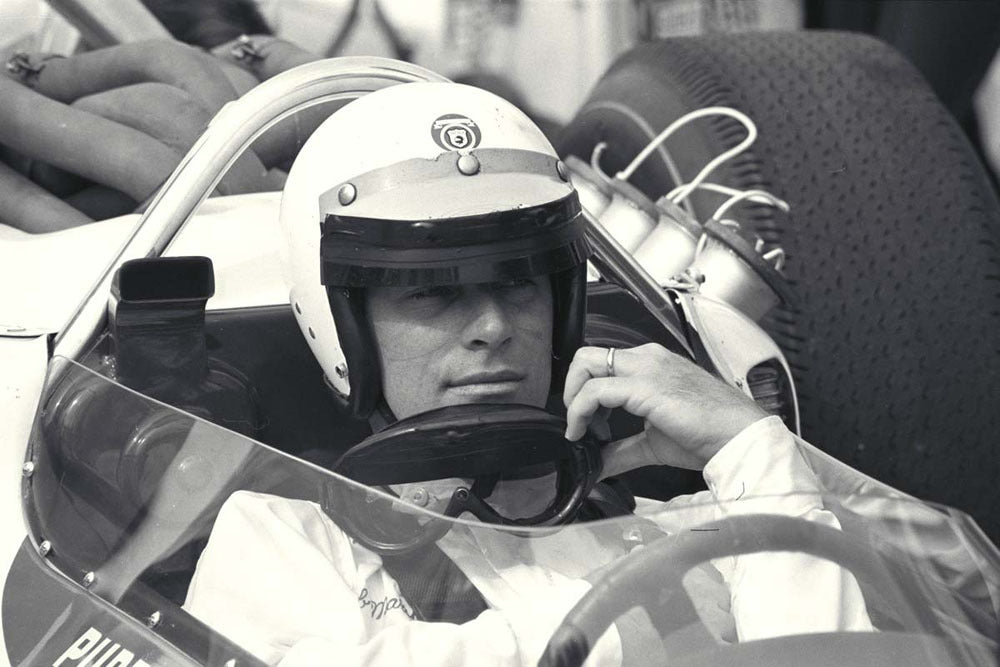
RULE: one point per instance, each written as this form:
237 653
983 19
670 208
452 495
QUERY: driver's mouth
486 384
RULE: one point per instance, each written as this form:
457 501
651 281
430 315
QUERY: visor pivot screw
347 194
468 165
341 370
420 497
561 170
28 469
89 579
461 494
153 620
44 548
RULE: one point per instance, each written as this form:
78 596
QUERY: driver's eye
517 289
436 292
514 284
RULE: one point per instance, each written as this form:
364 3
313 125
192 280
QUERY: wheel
651 578
893 241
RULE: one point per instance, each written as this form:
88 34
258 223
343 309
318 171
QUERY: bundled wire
681 192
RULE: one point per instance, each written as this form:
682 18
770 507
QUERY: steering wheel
651 578
481 442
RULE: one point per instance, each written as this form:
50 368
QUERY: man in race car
436 257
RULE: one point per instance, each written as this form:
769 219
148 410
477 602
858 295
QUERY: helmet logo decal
454 132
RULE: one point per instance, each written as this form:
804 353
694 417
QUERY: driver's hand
689 413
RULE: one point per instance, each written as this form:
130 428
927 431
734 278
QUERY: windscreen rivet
341 370
44 548
347 194
28 469
561 170
420 497
632 535
468 165
89 579
153 620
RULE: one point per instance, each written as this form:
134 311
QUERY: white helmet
424 184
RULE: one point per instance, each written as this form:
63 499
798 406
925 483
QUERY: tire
893 241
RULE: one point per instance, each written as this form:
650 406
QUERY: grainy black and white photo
449 333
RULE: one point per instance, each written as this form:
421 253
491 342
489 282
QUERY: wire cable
648 130
627 172
595 161
761 196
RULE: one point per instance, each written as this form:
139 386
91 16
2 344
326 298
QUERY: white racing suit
282 580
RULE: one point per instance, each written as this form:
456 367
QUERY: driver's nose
489 321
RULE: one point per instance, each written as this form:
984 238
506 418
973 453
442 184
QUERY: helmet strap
357 340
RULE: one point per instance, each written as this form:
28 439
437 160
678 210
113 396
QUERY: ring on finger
611 362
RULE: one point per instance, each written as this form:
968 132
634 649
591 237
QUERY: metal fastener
632 535
341 370
28 469
44 548
562 171
468 165
153 620
347 194
89 579
420 497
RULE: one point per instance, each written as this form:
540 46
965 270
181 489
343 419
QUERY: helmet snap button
347 194
561 170
468 165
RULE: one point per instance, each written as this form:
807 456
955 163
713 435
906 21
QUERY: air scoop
482 443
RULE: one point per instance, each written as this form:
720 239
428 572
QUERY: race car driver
436 257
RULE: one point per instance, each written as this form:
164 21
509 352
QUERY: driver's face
484 343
